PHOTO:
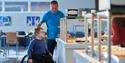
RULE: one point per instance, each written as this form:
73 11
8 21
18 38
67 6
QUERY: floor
12 56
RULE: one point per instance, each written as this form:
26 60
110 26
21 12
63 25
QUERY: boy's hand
30 61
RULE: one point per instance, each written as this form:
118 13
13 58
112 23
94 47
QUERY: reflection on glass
16 6
40 6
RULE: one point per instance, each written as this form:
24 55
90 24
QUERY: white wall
18 22
69 4
118 2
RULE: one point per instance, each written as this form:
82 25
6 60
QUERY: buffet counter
82 57
64 51
118 55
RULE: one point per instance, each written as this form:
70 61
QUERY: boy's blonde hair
37 30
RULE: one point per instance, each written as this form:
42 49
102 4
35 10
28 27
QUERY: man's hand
38 26
30 61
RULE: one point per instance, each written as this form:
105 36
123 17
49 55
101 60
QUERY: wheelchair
24 59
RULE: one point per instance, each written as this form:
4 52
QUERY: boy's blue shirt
37 47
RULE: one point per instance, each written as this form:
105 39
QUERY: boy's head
39 32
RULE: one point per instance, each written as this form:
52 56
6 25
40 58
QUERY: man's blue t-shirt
52 21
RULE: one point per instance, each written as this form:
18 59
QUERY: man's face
54 8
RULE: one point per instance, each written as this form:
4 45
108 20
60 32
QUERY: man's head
54 6
39 32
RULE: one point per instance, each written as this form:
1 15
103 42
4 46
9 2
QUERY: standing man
52 20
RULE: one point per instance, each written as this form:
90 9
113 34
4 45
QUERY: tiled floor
12 57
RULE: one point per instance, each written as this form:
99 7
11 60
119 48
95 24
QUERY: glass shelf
40 6
16 6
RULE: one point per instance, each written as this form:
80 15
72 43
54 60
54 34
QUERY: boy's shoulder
34 40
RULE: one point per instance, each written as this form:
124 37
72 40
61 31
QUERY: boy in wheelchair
37 50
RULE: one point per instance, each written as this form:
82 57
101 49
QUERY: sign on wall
5 21
104 4
33 20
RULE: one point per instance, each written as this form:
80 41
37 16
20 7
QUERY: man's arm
43 20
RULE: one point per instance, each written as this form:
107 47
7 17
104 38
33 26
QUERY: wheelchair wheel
25 59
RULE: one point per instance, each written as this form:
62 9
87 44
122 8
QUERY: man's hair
54 2
37 30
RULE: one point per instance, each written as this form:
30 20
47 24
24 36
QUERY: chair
22 38
12 40
3 43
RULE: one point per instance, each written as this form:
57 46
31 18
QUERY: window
16 6
40 6
0 6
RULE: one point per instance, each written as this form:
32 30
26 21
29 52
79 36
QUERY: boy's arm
30 49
